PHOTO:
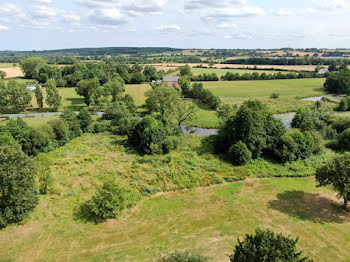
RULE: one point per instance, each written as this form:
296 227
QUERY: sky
58 24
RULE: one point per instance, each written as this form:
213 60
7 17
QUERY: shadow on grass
76 101
312 207
83 214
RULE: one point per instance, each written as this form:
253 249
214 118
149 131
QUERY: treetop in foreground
266 246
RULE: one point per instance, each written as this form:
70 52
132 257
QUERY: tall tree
115 87
162 100
14 96
337 174
39 96
53 98
31 65
86 89
18 193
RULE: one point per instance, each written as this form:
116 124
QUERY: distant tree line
256 76
286 61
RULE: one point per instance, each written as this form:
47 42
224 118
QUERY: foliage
267 246
252 125
162 100
39 96
116 112
344 104
182 256
274 96
239 153
115 87
338 82
110 200
185 70
61 130
14 96
2 74
31 65
70 117
53 98
344 140
205 96
19 130
17 185
150 136
86 88
337 174
85 119
40 138
45 181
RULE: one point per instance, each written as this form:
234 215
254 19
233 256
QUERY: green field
6 65
207 219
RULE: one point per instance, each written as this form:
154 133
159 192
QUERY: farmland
217 214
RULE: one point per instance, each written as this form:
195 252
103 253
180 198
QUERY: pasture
207 219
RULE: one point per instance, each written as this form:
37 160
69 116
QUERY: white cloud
9 9
331 4
42 1
200 4
238 36
108 17
226 25
3 27
168 28
284 12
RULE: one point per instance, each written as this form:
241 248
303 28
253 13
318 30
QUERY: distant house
32 87
171 80
323 71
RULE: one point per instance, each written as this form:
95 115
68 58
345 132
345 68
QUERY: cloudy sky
54 24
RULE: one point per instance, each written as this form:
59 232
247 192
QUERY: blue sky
55 24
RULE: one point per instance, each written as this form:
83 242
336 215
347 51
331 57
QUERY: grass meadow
206 219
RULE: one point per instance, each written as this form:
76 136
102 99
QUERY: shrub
182 256
344 140
70 117
97 128
239 153
19 130
61 130
274 96
40 138
150 136
110 200
85 119
267 246
171 143
17 185
344 104
116 112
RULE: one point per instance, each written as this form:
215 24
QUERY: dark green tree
86 89
266 246
39 96
85 119
18 193
115 87
336 173
53 98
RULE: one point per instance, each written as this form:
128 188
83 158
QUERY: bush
344 140
171 143
344 104
97 128
17 185
110 200
85 119
70 117
274 96
19 130
40 138
150 136
61 131
116 112
182 256
267 246
239 153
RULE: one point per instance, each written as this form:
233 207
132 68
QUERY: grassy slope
205 219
